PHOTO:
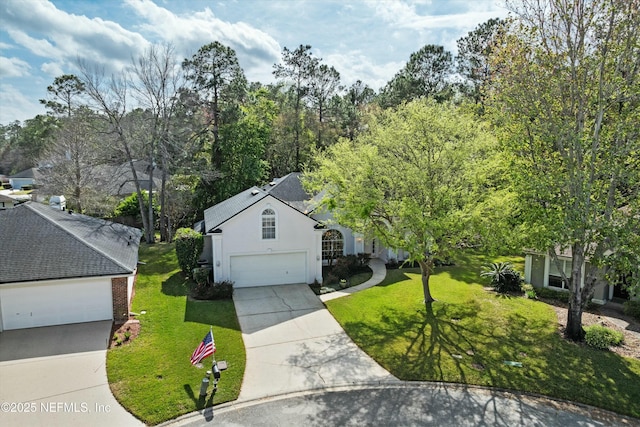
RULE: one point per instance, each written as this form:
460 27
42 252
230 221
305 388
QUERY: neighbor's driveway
56 376
293 344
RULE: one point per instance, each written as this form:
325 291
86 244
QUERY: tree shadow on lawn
177 285
218 313
443 343
398 275
466 273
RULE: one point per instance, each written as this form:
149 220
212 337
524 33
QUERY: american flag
206 348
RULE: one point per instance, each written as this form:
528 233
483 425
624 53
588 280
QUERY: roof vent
254 192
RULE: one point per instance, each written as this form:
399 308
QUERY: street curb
592 412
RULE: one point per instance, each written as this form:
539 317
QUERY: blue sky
365 40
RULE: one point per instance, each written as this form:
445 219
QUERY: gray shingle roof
218 214
40 243
291 188
288 188
28 173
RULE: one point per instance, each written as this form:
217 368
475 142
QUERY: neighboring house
118 180
8 199
542 272
29 178
58 267
271 235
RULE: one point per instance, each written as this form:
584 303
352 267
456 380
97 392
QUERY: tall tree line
200 127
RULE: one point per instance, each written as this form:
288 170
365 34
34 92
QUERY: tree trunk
164 232
574 329
151 235
136 181
577 296
425 270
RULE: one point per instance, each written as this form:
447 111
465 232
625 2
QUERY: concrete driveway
294 344
56 376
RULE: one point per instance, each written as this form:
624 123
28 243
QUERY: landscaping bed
631 345
124 334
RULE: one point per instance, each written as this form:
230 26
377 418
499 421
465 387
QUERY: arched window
268 224
332 244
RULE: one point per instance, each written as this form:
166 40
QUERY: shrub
363 260
201 275
130 207
331 278
552 294
341 270
189 245
632 308
503 277
437 262
210 291
392 264
598 336
529 291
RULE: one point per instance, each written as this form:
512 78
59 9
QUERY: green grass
468 334
152 377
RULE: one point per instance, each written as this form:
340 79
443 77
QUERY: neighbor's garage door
270 269
55 304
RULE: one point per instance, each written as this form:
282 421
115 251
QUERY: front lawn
152 377
469 333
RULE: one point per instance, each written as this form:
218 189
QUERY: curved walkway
379 273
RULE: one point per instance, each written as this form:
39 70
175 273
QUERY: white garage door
270 269
55 304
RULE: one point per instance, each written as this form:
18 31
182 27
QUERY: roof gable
218 214
40 243
27 173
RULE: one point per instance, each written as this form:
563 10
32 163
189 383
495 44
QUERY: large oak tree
568 99
416 180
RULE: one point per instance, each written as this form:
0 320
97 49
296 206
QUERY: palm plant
504 278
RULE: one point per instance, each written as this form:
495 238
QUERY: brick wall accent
119 299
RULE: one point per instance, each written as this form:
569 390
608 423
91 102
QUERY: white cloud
53 69
355 66
13 67
404 15
256 49
55 34
14 105
40 47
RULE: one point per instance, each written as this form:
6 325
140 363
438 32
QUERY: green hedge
632 308
547 293
212 291
189 245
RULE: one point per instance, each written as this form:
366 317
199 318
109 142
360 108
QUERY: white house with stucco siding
255 239
271 235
